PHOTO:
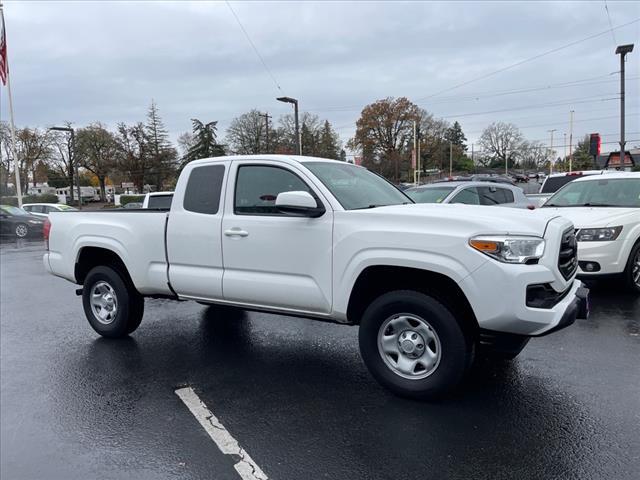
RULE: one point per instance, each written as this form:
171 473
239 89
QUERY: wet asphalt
296 396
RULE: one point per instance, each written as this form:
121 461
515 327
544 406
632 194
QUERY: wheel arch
90 257
376 280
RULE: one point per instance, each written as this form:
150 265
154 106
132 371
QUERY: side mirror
300 204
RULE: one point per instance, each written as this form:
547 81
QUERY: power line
613 35
489 94
255 49
526 60
527 107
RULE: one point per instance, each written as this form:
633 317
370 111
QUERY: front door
273 259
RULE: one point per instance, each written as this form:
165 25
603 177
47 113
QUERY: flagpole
11 118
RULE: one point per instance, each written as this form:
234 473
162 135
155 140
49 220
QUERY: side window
47 209
257 187
27 208
495 195
203 189
468 196
38 209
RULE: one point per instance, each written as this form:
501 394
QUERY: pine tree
329 144
205 142
456 136
162 156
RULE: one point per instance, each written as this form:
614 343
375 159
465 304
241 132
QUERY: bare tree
246 134
96 150
502 142
133 153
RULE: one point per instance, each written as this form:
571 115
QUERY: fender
411 258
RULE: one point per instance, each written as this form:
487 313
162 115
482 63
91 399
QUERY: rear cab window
204 188
160 201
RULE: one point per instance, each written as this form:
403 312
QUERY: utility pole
571 141
473 161
565 145
551 150
450 158
266 119
415 153
622 50
418 161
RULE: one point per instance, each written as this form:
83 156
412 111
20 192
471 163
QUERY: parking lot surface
296 396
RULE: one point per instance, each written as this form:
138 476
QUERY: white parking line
245 466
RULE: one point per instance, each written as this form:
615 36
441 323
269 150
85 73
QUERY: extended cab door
273 259
194 246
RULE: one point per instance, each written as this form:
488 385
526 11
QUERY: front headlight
607 234
509 249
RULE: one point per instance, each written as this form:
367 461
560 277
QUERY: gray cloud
88 61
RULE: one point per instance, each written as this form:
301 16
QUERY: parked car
606 213
556 181
332 241
520 177
132 205
16 221
471 193
492 178
160 200
42 210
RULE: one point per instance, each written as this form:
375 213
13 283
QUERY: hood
475 218
594 217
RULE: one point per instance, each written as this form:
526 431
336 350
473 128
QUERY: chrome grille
568 255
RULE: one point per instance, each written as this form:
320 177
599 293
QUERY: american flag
4 66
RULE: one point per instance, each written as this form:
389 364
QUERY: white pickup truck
427 284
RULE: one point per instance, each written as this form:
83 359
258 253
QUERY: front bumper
608 255
498 294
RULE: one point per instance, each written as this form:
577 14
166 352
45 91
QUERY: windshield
160 201
356 187
66 208
619 192
14 210
429 195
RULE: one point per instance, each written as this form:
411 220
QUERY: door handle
236 232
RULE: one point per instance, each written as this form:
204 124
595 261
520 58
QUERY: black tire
630 270
129 304
456 349
21 230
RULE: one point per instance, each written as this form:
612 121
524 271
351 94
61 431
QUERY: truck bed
141 230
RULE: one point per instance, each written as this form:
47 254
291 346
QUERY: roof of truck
294 158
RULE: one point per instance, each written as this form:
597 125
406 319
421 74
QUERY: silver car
471 193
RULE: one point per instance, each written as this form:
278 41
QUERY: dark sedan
16 221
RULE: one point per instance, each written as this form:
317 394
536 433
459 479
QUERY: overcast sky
104 61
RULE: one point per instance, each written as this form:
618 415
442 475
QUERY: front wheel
413 345
112 306
632 271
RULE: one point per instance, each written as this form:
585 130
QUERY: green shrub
45 198
124 199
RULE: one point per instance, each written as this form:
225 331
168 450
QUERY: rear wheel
21 230
413 345
632 271
112 306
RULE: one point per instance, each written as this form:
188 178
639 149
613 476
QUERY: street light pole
295 109
622 50
551 149
571 141
72 158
